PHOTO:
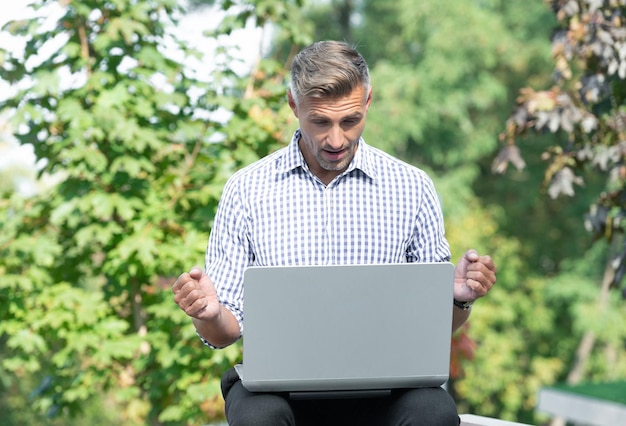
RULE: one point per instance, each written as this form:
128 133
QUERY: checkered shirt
276 212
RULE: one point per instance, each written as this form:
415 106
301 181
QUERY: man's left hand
474 276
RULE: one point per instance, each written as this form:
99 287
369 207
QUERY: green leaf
27 341
172 413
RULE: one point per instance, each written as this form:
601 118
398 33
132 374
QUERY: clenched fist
195 294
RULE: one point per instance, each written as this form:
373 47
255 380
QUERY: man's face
330 131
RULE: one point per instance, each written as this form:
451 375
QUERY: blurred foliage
139 148
579 116
586 105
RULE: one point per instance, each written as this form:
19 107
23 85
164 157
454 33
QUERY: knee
260 410
429 406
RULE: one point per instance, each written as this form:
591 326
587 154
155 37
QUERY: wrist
464 306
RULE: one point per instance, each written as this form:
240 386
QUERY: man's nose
335 137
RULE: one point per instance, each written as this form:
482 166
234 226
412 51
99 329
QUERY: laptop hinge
365 393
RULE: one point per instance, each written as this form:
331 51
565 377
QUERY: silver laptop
346 330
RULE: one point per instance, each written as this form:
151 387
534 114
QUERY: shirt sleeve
228 251
429 243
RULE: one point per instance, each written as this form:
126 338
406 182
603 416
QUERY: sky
11 154
249 41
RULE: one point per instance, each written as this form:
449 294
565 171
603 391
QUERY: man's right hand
195 294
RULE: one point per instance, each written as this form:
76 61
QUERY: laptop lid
347 327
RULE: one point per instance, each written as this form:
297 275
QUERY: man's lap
428 406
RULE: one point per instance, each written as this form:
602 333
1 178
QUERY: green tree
585 106
140 154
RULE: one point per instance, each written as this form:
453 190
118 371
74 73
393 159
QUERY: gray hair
328 69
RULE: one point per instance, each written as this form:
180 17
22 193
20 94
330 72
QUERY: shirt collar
294 159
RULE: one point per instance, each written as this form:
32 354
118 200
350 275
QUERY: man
327 198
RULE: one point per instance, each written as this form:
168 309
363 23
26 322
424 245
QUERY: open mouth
334 155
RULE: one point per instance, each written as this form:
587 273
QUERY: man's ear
292 103
369 99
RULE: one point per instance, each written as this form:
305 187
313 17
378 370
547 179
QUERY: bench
474 420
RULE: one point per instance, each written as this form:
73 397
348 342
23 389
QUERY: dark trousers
423 406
